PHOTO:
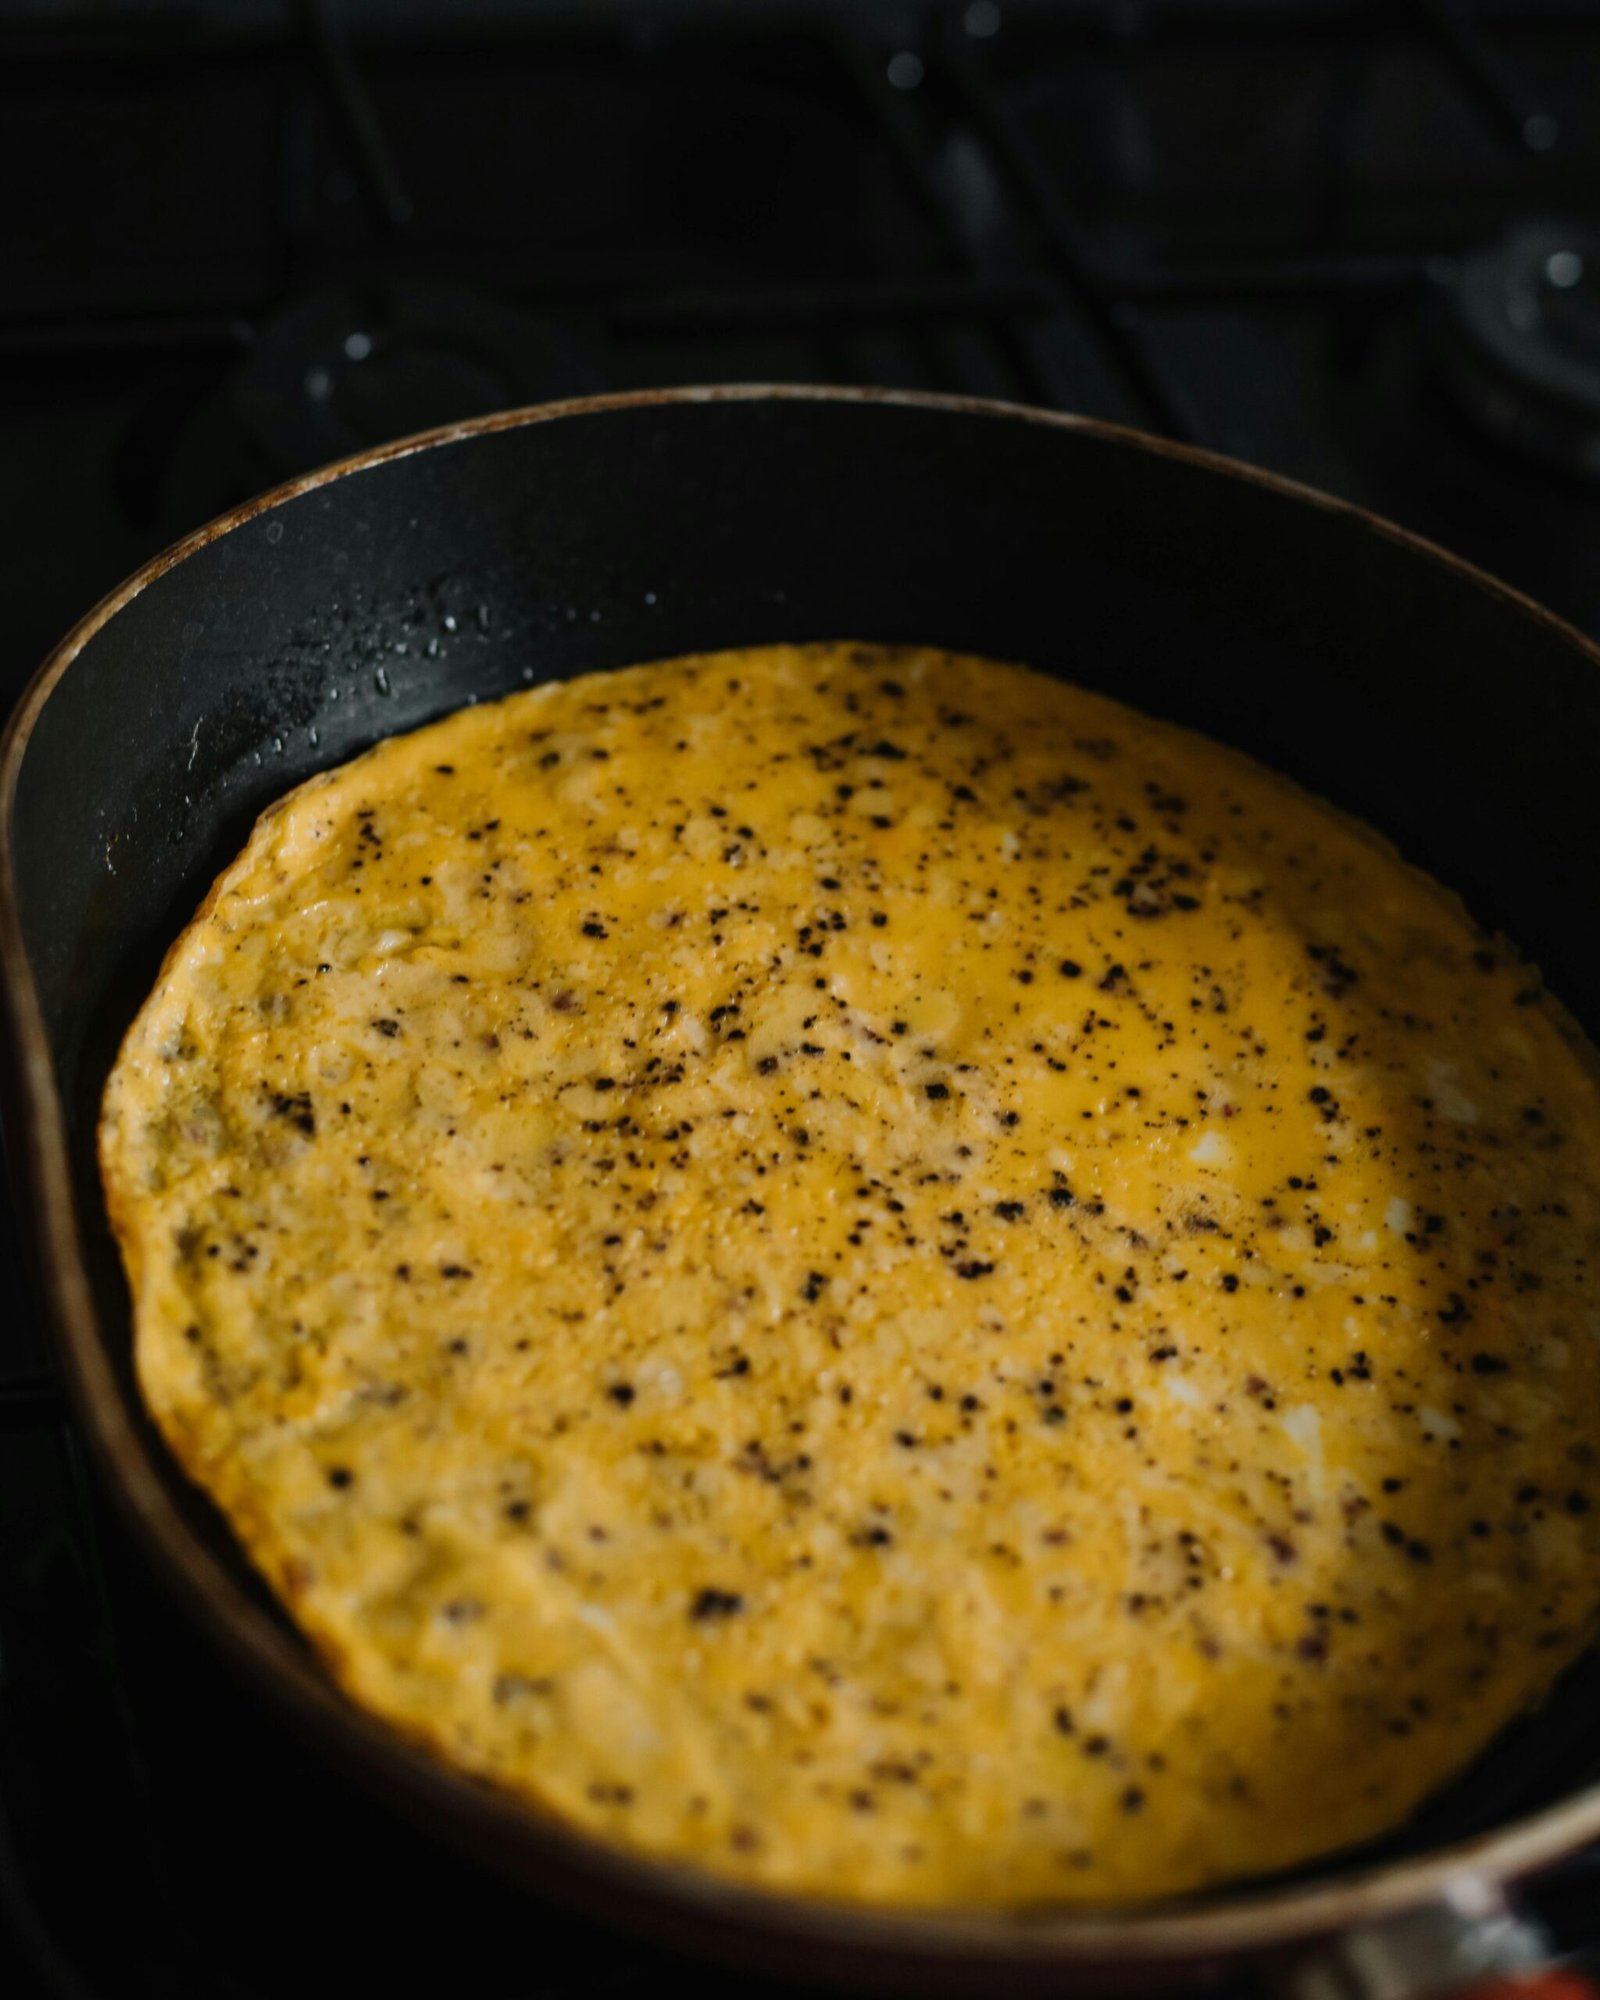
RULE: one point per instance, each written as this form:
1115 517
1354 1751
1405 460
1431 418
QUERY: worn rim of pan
1223 1926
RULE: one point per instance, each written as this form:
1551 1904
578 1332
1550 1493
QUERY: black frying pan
1454 715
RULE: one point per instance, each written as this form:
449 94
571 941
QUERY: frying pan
364 599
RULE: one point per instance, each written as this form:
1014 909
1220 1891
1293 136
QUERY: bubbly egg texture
868 1269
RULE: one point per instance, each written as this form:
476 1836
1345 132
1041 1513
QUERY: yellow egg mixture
871 1270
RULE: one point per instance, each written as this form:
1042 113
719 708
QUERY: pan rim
1248 1921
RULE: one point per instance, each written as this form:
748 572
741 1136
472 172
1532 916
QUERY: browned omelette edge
234 1497
253 1528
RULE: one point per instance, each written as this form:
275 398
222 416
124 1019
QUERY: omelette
867 1270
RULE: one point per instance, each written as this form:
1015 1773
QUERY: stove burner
1523 343
357 365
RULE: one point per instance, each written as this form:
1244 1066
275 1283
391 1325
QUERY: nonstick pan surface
1454 715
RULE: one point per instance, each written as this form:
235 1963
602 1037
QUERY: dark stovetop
1357 243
